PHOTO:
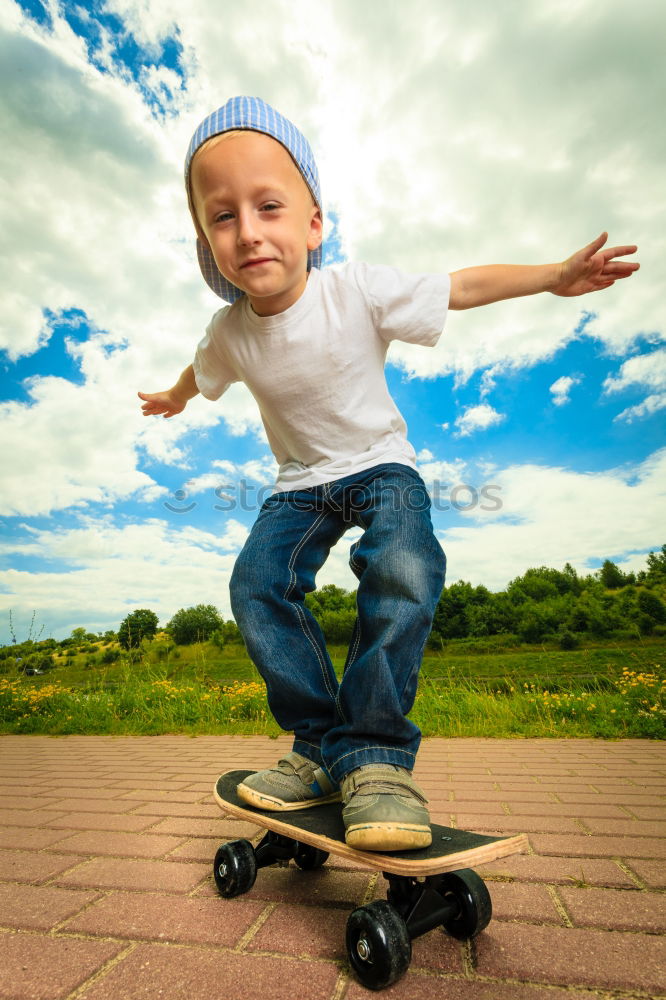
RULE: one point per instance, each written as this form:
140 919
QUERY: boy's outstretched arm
173 400
587 270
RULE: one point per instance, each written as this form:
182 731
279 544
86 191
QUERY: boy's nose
247 229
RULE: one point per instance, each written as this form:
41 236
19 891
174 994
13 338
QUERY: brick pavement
106 891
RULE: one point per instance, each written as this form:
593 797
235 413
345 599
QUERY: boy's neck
265 307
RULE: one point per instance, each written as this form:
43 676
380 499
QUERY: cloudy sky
447 134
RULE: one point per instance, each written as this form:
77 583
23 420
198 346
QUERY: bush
138 625
649 604
569 641
194 624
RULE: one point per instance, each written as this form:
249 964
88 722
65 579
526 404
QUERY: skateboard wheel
308 858
235 868
474 906
379 947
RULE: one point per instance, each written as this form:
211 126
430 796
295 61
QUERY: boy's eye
270 206
223 217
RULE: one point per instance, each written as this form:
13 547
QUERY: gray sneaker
384 809
295 783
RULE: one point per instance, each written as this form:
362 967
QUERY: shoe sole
261 800
388 837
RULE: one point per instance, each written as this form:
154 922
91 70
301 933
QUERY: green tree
330 598
649 604
227 632
611 575
195 624
656 566
139 625
338 626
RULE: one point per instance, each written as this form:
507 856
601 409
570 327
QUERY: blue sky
437 150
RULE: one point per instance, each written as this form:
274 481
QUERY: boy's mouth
256 261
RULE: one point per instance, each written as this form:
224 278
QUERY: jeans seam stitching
350 753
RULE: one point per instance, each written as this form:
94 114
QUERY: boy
310 345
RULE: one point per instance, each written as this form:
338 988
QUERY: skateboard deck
321 827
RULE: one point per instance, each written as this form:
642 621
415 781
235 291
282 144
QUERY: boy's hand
174 400
591 269
165 403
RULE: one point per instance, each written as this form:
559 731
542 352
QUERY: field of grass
612 691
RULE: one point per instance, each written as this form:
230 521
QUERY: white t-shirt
316 370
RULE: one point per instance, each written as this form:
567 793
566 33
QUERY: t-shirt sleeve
408 307
213 373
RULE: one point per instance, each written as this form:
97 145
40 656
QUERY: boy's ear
316 232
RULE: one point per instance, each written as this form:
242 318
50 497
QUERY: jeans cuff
370 755
310 751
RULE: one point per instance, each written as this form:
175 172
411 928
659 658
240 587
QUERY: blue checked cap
254 114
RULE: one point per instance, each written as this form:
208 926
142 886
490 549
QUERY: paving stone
522 901
572 957
558 871
79 791
197 849
117 873
436 951
162 795
583 809
155 917
19 817
188 972
626 799
223 827
92 805
418 987
625 827
463 795
28 803
126 845
37 967
325 886
652 873
148 783
33 866
599 846
649 812
40 907
303 931
18 836
515 824
196 810
101 821
615 909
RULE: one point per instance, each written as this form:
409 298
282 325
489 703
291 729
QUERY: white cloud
647 371
476 418
105 571
562 387
550 516
650 405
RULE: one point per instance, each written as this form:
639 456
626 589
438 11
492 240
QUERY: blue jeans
400 567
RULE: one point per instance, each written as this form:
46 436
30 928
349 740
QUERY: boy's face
257 215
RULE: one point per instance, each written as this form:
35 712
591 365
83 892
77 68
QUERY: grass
610 691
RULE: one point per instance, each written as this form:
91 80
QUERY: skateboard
427 888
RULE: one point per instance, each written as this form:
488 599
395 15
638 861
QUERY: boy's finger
595 245
619 251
